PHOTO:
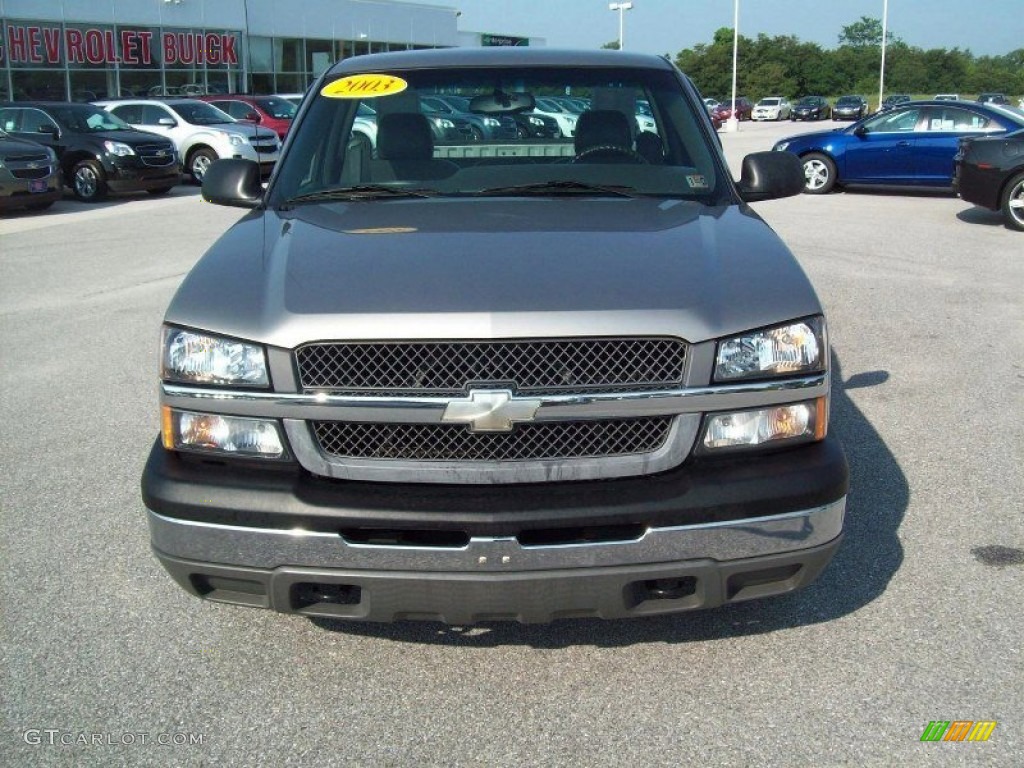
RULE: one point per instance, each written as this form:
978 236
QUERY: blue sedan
911 145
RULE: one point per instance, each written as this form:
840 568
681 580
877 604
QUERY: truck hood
486 268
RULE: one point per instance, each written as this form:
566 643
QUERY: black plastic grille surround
529 367
455 442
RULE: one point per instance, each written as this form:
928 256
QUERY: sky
985 27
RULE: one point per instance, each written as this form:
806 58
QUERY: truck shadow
869 557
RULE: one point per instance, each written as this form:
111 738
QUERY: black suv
97 151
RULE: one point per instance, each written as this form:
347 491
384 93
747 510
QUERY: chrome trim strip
427 410
675 449
271 548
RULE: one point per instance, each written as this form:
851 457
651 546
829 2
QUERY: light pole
732 124
621 8
881 75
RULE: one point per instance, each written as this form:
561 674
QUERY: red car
271 112
744 109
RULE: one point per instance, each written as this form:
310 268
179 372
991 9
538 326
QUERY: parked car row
126 145
94 151
971 147
850 107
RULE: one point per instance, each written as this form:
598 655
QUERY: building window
38 85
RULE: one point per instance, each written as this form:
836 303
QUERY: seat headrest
649 146
602 127
404 136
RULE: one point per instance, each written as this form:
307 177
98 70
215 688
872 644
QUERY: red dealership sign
33 44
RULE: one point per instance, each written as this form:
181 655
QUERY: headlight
781 351
236 140
52 155
798 422
492 122
443 122
571 119
780 146
118 148
213 433
536 121
198 358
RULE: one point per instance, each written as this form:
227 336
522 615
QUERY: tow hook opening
307 594
670 589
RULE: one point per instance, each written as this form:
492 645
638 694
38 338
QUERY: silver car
200 132
524 380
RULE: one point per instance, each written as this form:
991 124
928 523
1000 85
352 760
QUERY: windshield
768 102
200 113
601 151
282 109
848 101
86 118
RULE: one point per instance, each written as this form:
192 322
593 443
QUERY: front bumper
704 534
130 177
15 193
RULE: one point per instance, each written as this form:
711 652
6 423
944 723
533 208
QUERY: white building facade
83 50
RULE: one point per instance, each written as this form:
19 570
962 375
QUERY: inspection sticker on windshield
364 86
697 181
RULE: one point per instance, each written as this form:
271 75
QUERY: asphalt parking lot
914 621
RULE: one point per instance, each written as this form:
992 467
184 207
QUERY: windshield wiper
560 187
362 192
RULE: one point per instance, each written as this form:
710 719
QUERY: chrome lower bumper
273 548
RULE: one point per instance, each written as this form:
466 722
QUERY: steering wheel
613 151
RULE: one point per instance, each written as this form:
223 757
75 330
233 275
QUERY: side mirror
168 121
253 116
860 131
233 182
770 175
49 130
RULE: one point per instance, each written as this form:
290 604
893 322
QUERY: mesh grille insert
531 367
454 442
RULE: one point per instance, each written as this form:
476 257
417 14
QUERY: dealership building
93 49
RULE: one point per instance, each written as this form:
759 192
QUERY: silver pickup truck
471 380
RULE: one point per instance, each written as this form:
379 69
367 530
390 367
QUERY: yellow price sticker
364 86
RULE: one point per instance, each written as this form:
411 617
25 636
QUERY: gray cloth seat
405 150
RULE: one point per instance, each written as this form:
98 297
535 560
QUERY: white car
947 97
771 108
365 124
200 132
565 118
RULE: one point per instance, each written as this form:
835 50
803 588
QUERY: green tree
864 33
612 46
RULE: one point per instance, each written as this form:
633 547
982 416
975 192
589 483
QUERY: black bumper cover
699 491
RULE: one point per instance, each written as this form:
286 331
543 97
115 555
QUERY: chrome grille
560 366
33 158
148 153
454 442
31 173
